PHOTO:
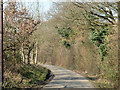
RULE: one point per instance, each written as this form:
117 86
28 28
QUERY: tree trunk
119 42
14 55
26 58
36 53
33 58
29 51
31 54
1 22
22 53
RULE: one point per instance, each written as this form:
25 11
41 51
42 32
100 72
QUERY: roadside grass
26 76
96 80
99 82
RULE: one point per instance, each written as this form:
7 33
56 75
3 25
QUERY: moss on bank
26 76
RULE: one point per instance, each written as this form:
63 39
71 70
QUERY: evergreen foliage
66 34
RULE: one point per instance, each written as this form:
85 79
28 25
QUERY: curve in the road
66 79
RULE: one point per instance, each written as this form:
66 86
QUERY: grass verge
96 80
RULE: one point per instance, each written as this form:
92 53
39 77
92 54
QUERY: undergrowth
24 76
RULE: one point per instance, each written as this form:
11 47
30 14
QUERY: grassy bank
25 76
96 80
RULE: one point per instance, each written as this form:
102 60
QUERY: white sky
65 0
44 4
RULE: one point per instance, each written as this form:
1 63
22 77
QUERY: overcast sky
44 5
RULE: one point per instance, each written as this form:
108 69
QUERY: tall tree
1 9
105 11
16 33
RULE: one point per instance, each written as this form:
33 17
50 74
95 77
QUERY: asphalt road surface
66 79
